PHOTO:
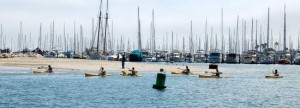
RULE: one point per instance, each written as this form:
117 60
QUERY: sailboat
268 56
249 57
137 55
284 58
97 54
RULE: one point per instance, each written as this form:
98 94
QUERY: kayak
40 71
91 74
180 72
138 75
211 76
129 74
176 72
123 73
272 76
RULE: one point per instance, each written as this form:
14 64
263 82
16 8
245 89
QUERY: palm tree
256 47
276 45
264 45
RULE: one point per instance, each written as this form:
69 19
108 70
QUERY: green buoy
160 80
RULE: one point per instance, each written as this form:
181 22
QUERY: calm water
247 87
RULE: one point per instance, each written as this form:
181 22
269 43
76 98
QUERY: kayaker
187 70
276 73
133 72
102 71
161 70
50 70
218 74
123 61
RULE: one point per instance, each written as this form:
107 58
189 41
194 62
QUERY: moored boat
268 57
249 57
297 58
284 61
176 56
136 56
232 58
215 56
200 56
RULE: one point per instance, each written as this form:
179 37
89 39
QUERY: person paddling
218 74
133 72
186 71
102 71
161 70
50 70
276 73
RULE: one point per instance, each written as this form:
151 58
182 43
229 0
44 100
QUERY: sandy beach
83 64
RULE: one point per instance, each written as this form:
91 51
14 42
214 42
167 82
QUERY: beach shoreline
90 65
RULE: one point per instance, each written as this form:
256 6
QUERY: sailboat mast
74 42
81 37
237 36
139 31
105 29
199 42
252 34
298 42
172 41
284 31
191 39
40 37
211 38
153 28
256 47
206 37
268 28
229 41
21 36
260 35
216 41
223 46
245 36
99 25
52 36
183 45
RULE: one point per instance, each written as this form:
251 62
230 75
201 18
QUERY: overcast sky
169 15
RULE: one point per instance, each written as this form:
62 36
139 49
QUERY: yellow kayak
91 74
40 71
137 75
129 74
211 76
181 72
176 72
272 76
